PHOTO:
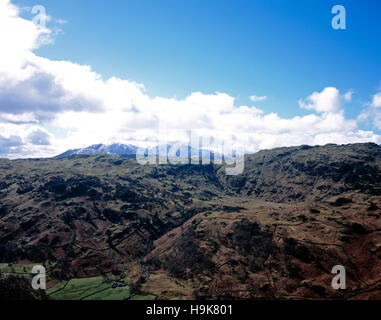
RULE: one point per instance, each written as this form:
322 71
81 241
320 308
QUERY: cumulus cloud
48 106
258 98
328 100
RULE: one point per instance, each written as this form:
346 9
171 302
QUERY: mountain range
191 232
129 151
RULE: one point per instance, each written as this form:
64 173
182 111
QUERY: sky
270 73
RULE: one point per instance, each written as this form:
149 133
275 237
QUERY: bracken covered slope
190 231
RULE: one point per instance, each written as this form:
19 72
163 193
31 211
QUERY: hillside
192 232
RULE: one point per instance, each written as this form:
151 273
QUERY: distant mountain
128 150
115 149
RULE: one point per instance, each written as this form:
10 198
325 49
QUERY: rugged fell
190 231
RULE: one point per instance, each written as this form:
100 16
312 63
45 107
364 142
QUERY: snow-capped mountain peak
115 149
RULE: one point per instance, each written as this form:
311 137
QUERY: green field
93 288
111 294
147 297
21 269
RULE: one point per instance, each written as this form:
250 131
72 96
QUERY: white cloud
348 96
258 98
329 100
47 107
373 112
376 101
39 137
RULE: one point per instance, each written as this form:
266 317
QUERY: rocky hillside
192 232
309 173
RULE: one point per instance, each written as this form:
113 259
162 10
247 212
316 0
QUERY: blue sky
284 50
